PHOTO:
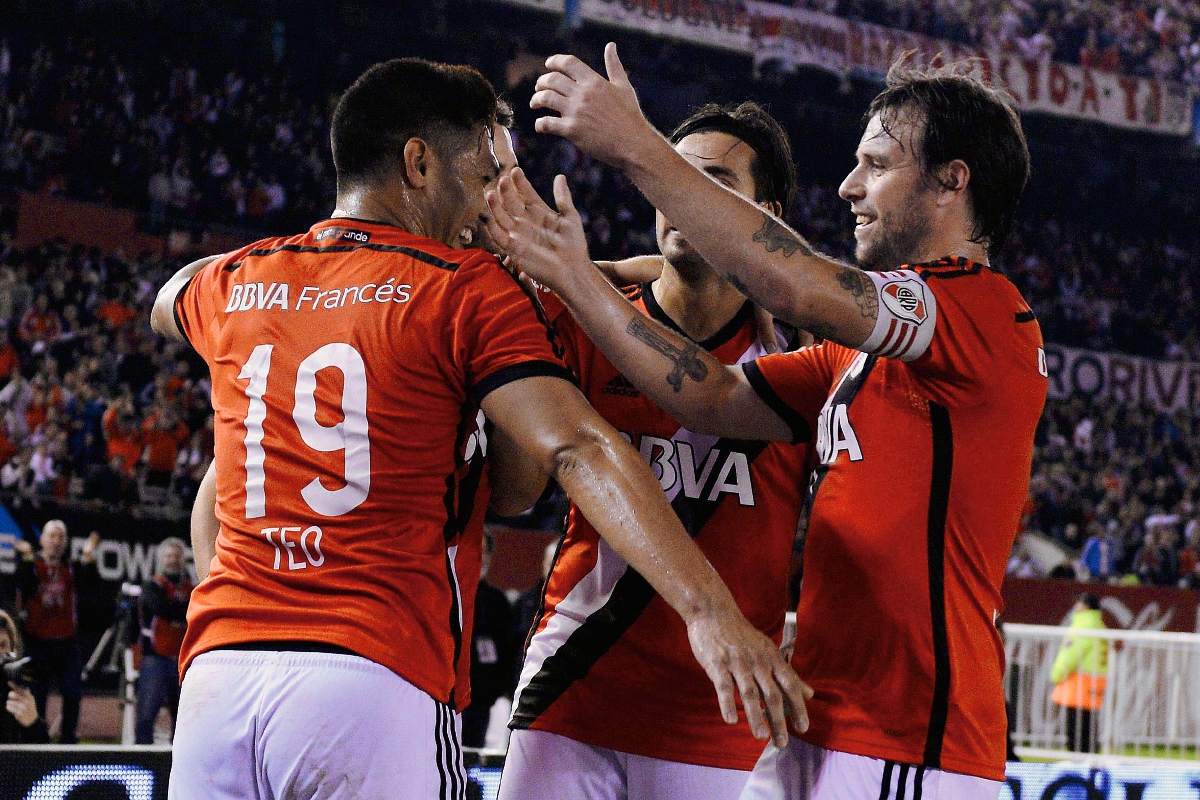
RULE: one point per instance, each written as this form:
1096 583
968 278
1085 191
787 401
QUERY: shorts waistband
291 646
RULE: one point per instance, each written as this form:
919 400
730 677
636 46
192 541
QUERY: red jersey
347 366
610 663
914 507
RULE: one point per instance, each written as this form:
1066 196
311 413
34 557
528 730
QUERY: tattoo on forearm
856 282
685 360
774 236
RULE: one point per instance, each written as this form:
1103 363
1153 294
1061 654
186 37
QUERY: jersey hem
214 641
876 750
719 757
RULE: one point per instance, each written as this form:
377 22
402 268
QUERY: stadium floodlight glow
137 781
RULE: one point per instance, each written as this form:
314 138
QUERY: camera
16 670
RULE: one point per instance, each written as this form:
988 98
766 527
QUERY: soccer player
611 703
924 398
349 366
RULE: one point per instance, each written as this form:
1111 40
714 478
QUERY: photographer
50 583
163 621
20 723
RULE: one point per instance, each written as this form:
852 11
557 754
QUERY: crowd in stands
84 121
94 408
1148 38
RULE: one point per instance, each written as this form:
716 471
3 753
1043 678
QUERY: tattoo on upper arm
685 359
774 236
856 282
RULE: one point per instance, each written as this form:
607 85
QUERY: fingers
764 323
529 196
510 196
556 126
562 197
613 65
499 218
726 696
752 703
555 82
795 694
570 66
552 101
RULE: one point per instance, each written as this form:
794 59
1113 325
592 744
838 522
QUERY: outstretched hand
547 245
742 662
600 117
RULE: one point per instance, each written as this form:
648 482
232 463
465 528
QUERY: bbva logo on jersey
674 464
836 435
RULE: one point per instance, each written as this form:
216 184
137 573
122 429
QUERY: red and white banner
1166 386
795 37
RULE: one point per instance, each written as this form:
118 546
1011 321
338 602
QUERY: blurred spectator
20 722
1080 673
163 616
491 660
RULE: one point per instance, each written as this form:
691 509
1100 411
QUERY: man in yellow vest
1080 674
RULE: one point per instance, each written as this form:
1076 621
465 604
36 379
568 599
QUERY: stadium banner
1166 386
715 23
1042 601
793 37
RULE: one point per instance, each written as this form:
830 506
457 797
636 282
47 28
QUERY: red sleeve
795 385
499 333
194 307
973 338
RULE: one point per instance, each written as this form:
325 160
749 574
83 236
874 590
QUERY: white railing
1151 698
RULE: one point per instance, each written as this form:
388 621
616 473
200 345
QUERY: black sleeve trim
516 372
801 432
175 311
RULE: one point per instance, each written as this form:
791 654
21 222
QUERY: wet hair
963 119
394 101
773 171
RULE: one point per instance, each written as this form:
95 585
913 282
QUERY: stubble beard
896 243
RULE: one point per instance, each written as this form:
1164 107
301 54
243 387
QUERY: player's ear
953 179
773 206
416 162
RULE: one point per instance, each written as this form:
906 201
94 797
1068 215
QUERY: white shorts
270 725
546 766
803 771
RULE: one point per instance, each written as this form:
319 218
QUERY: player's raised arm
684 380
162 316
756 252
614 488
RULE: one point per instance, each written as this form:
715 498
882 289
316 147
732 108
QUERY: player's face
890 200
728 160
457 192
54 542
506 156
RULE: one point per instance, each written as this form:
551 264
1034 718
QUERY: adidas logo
620 385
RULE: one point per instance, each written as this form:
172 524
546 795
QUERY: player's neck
701 304
374 206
